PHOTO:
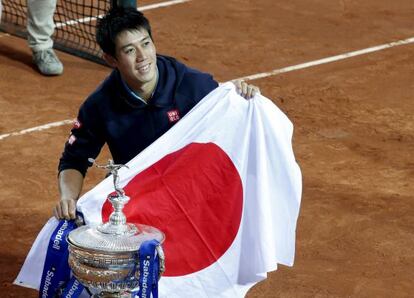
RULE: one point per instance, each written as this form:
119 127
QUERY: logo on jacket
71 139
76 124
173 115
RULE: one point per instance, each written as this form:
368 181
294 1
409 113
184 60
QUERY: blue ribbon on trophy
148 269
56 270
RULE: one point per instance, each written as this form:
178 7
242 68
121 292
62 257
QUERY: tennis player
142 98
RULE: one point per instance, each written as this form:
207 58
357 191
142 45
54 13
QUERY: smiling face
136 60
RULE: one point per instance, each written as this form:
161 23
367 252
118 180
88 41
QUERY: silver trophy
103 257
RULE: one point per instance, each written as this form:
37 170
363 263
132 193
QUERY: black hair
115 21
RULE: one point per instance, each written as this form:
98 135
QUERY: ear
110 60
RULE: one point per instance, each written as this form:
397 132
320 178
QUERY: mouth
143 68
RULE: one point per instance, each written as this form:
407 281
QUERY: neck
146 90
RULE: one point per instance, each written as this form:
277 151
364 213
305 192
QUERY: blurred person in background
40 28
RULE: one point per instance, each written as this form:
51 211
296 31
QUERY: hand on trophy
65 209
70 185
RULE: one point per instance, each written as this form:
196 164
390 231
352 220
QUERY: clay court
353 118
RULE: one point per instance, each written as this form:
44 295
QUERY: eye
129 51
146 43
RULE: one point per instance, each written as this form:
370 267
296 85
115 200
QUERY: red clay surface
354 132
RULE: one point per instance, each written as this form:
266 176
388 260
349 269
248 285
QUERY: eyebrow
131 43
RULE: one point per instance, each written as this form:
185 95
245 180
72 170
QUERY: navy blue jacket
112 115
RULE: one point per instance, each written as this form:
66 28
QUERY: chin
145 78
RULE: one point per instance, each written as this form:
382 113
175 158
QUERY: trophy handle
161 256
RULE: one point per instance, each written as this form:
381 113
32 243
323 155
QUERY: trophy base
113 295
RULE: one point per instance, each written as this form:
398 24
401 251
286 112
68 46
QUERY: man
40 29
143 97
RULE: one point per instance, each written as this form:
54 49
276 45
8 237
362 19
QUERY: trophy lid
116 235
94 239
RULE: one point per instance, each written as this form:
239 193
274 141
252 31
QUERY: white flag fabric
222 184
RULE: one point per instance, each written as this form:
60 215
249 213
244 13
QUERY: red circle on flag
193 195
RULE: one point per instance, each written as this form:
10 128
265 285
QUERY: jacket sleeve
201 85
85 141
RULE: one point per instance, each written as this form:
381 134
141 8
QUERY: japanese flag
224 187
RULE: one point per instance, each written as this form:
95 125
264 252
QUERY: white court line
161 4
255 77
37 128
142 8
327 60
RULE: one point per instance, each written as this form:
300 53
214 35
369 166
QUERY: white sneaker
47 62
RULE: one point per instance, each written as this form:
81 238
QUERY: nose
140 55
